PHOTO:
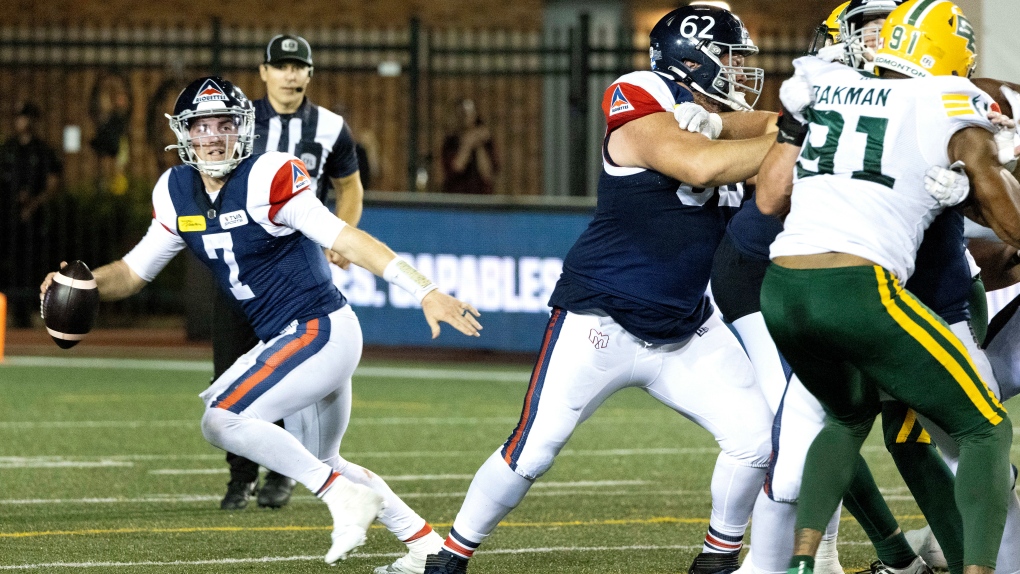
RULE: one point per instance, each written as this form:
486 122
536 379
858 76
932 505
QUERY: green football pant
846 331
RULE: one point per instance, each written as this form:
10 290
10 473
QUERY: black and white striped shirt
317 136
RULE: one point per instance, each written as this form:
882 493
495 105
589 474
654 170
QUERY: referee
287 121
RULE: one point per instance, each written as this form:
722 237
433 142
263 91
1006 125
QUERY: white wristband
401 274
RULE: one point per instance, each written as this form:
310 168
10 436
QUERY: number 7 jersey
276 273
859 180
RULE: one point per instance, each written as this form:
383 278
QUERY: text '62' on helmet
827 33
704 48
207 97
927 38
860 40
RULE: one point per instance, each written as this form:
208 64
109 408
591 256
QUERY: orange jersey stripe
531 388
275 360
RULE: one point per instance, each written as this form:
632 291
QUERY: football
70 304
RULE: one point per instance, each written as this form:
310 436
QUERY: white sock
772 530
735 488
494 492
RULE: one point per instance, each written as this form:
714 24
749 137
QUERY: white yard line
467 374
373 556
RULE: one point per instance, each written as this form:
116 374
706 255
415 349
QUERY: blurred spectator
29 179
469 157
110 107
366 146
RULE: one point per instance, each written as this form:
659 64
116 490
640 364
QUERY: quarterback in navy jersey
286 121
630 309
254 221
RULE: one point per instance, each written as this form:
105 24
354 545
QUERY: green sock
895 551
801 565
866 504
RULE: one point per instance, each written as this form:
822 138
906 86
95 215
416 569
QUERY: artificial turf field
103 468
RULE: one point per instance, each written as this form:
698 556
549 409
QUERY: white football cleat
354 507
414 561
918 566
924 543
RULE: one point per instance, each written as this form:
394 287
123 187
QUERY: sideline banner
505 263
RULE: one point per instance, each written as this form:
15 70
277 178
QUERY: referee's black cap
288 47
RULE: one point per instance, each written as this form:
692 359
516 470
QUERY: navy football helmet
704 48
206 97
860 40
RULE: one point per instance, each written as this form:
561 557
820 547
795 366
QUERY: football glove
693 118
833 53
949 186
796 95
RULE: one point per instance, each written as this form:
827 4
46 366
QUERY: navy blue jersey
317 136
942 278
276 274
646 257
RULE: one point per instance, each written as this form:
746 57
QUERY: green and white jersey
859 181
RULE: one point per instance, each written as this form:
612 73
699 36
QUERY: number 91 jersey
859 180
276 273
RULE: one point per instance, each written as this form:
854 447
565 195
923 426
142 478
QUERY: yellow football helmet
927 38
827 33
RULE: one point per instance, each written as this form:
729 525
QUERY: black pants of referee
232 337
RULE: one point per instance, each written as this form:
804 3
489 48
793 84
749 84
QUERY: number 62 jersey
859 180
260 236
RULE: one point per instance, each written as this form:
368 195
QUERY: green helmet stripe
917 12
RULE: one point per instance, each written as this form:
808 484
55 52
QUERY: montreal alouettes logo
300 178
598 339
210 92
619 103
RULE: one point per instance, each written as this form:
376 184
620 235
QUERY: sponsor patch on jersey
300 178
619 103
233 219
210 92
186 223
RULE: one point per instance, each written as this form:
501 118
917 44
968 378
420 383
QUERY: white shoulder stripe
260 181
162 206
651 83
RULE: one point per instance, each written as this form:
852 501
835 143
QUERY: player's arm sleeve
305 213
154 251
343 158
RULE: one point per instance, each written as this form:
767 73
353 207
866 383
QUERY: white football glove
833 53
796 94
949 186
1014 102
693 118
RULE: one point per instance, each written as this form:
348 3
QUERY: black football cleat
445 563
275 491
713 563
238 494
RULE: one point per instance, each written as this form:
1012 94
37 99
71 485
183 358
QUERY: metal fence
104 90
